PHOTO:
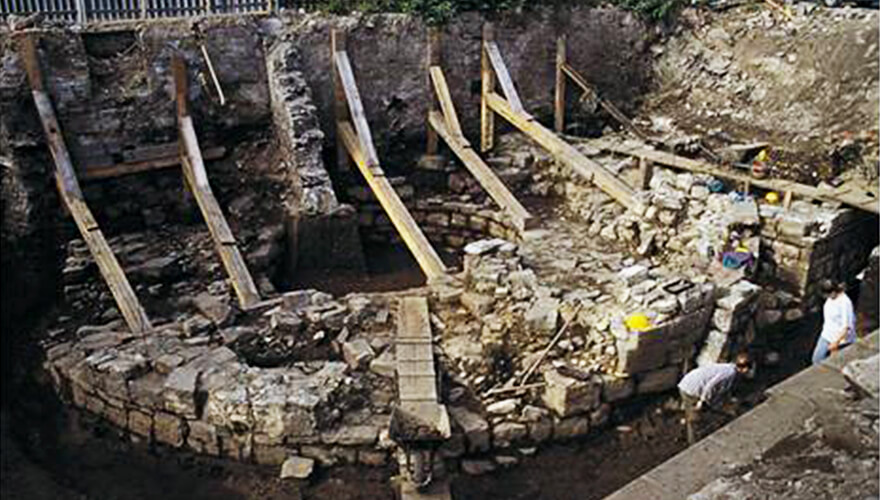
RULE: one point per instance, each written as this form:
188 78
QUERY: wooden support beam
445 98
355 108
570 156
786 200
507 87
606 104
432 60
397 212
69 190
213 75
559 98
487 86
484 175
646 171
134 167
340 110
197 180
858 198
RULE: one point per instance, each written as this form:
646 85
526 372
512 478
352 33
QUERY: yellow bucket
638 322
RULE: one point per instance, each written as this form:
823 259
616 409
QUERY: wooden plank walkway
848 194
197 179
71 194
354 133
417 382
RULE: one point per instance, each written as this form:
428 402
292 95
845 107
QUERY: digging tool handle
553 342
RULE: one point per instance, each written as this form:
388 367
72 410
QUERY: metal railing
90 11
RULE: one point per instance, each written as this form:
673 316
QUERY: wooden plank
445 99
559 96
224 242
433 59
181 84
570 156
487 86
522 219
213 75
230 256
340 108
646 171
355 108
397 212
606 105
135 167
503 75
68 187
862 202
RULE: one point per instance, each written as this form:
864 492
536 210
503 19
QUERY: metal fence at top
90 11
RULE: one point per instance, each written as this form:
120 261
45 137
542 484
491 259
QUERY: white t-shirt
836 313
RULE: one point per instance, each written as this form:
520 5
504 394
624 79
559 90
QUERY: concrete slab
640 489
859 350
814 384
863 373
690 470
752 434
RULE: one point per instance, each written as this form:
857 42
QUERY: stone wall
321 232
195 387
608 46
807 244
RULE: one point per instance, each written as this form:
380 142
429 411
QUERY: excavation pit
312 369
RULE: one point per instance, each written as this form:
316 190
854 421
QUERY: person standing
838 321
707 385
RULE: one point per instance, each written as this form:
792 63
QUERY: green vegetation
438 12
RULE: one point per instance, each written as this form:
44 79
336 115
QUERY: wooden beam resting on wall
71 194
197 179
568 155
397 212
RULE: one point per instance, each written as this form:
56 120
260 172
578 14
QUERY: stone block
169 429
633 275
373 458
571 427
268 454
541 430
617 388
140 423
543 316
296 467
180 390
569 396
506 433
478 304
474 427
357 353
657 380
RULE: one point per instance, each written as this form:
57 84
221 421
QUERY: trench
52 449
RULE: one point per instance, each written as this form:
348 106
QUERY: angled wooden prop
71 195
354 133
197 179
561 150
445 124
